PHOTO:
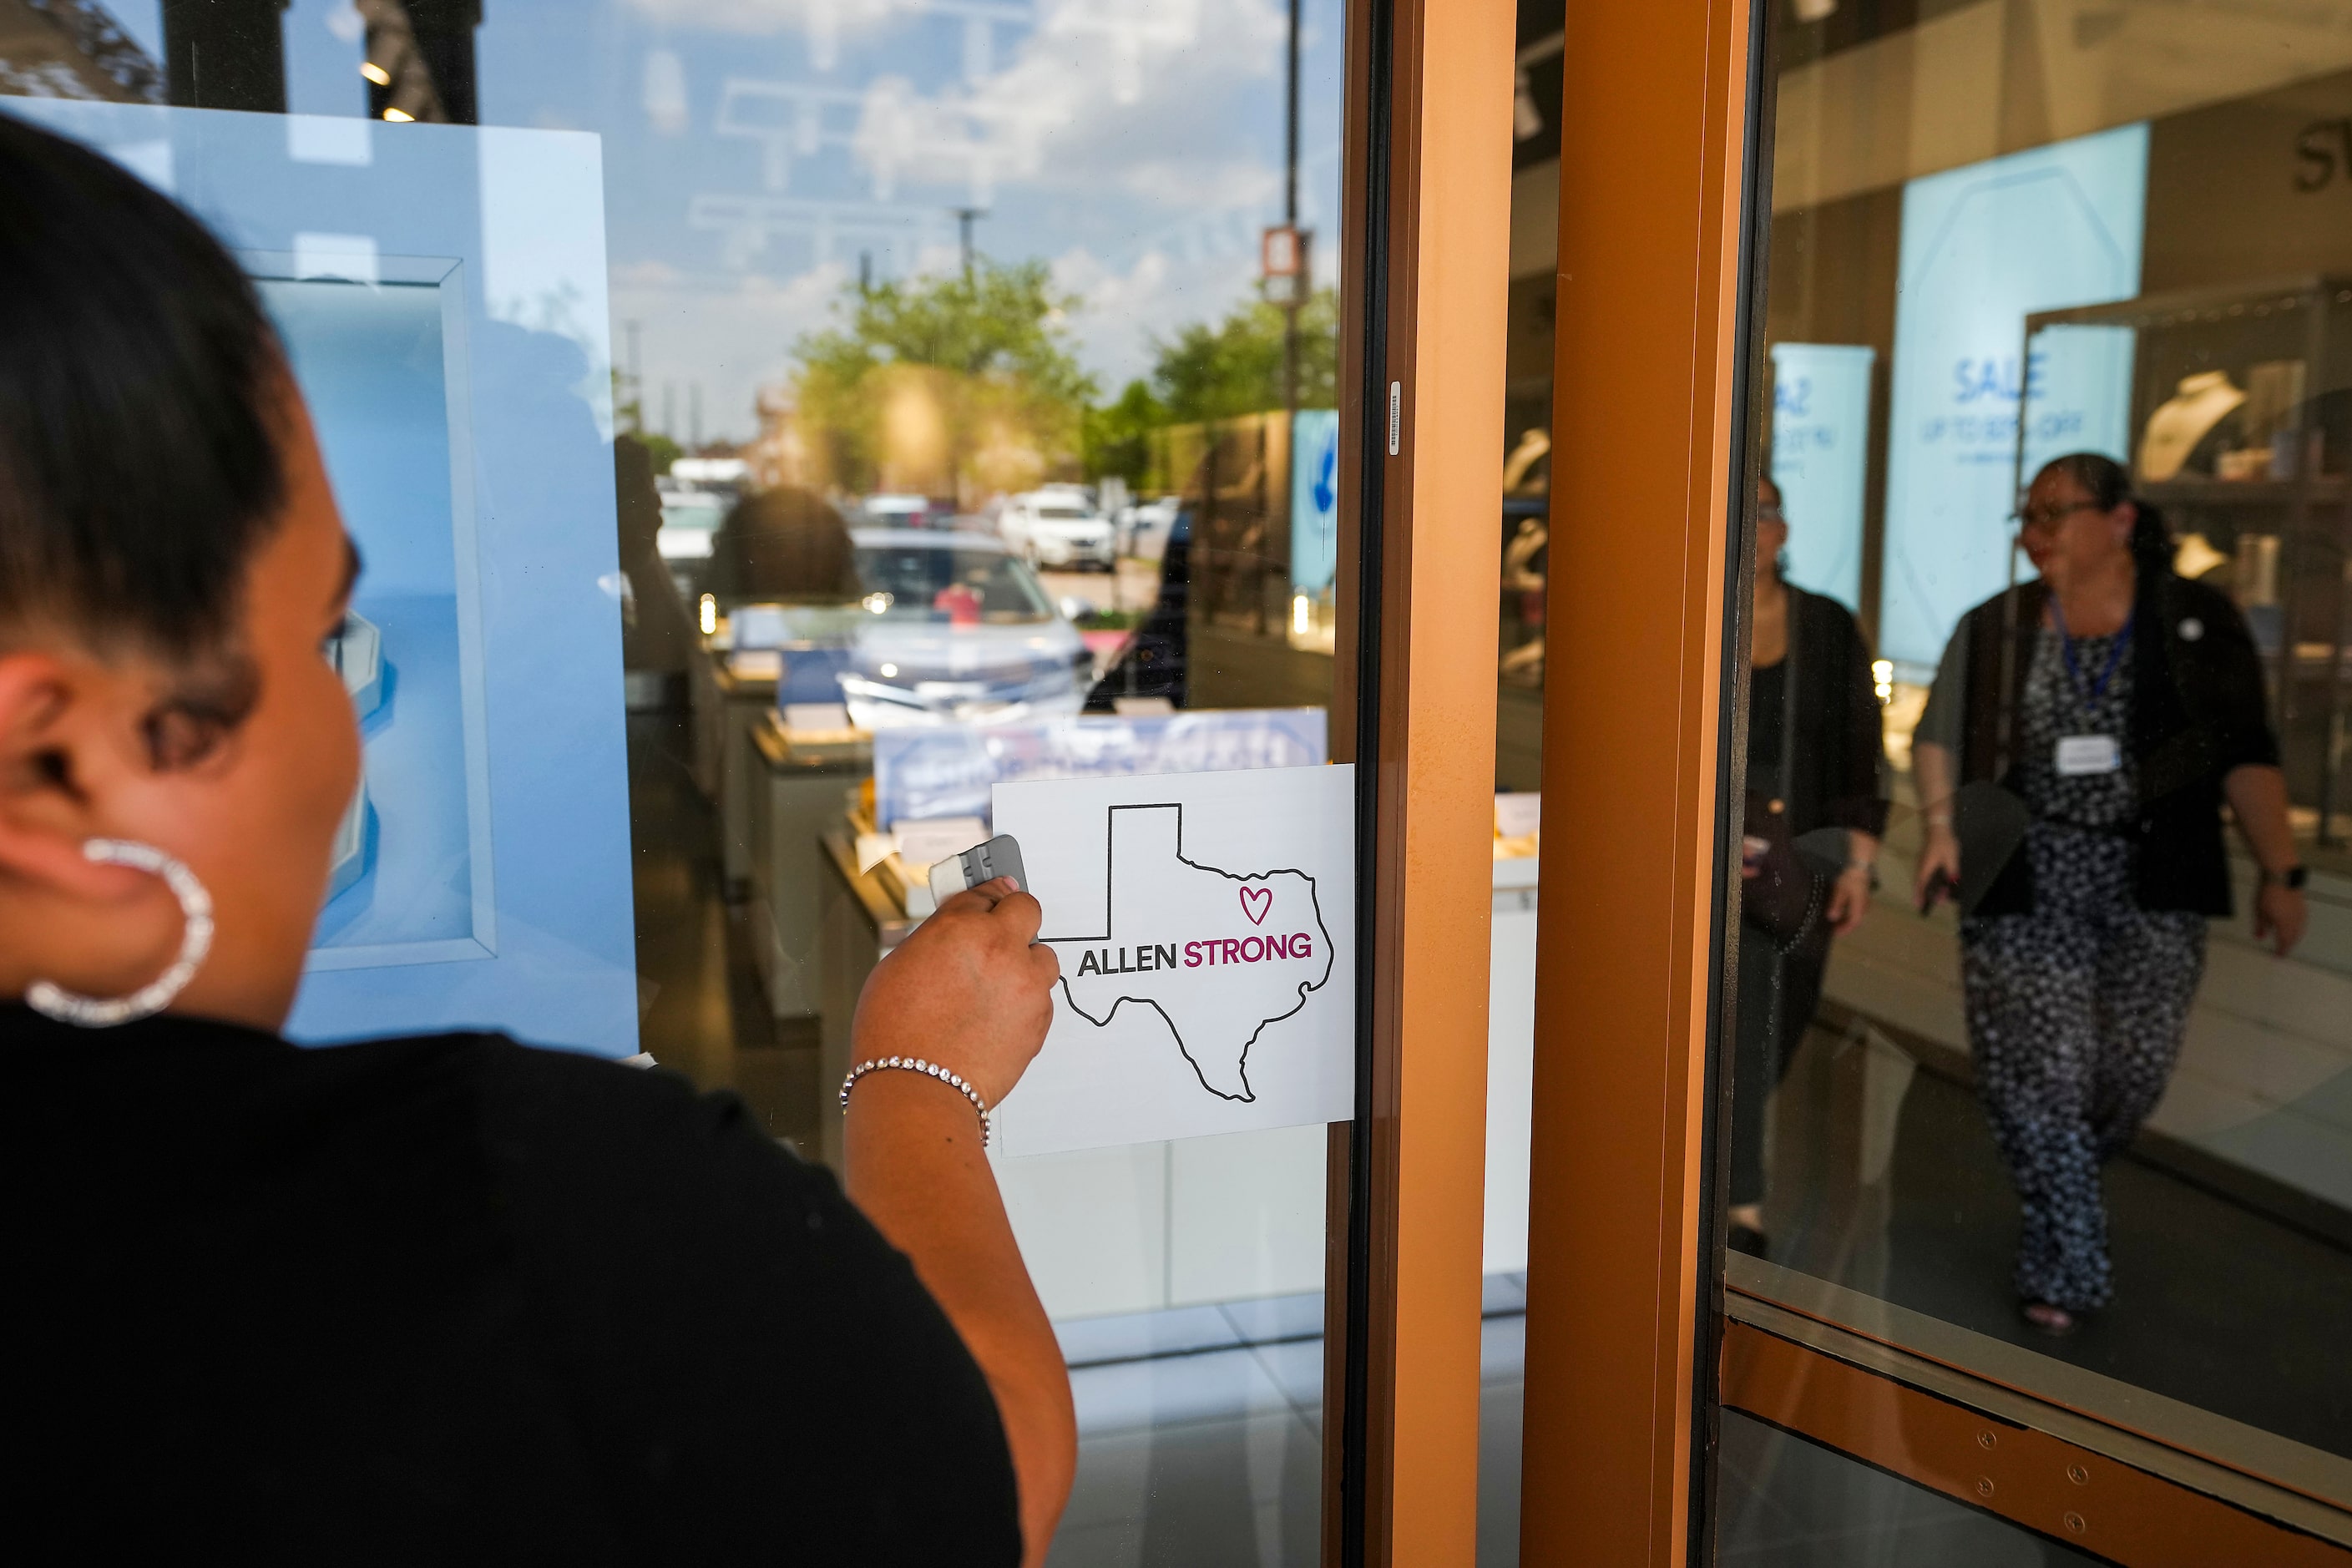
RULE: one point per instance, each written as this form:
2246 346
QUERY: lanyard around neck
2097 688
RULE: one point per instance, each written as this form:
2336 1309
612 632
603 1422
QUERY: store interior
2230 1214
1996 231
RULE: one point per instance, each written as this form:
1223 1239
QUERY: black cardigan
1836 779
2198 711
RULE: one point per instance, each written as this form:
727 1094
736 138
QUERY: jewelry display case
2240 420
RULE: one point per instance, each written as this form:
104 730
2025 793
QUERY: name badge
2080 755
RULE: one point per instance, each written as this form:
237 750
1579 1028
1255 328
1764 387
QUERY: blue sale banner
1314 499
1821 443
1983 246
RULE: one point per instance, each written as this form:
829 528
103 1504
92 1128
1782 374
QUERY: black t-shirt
457 1301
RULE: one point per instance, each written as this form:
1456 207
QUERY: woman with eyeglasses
2084 732
1816 810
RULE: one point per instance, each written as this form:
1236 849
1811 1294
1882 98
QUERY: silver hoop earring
195 941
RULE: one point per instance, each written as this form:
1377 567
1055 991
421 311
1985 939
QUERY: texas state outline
1315 903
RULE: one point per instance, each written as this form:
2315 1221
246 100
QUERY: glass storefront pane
2049 532
1783 1503
770 425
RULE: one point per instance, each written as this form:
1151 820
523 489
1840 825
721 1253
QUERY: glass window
2040 1029
771 427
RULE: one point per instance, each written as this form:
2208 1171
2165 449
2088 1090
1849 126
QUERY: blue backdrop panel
501 897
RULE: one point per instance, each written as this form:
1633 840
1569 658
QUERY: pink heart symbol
1255 902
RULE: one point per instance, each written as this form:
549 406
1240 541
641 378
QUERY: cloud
646 274
729 338
1097 91
761 18
1121 312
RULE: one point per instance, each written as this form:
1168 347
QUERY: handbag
1789 891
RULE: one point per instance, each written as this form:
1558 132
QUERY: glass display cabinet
2233 407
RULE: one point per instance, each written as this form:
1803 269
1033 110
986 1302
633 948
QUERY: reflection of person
783 544
656 635
1152 662
1813 763
2122 704
451 1297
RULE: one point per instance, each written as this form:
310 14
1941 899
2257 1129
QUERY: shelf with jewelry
2233 407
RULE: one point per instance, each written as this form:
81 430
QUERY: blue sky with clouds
755 149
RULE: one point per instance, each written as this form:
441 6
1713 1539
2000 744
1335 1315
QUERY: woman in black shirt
1813 763
430 1301
2107 709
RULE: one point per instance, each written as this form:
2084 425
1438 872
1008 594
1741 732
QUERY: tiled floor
2216 1304
700 1008
1199 1433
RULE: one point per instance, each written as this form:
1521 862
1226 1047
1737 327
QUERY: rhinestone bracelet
933 1070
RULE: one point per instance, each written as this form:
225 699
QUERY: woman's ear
2126 518
58 758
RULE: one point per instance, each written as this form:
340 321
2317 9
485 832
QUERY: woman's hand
970 990
1849 899
1941 852
2280 914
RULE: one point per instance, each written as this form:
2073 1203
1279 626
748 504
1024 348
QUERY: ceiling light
375 73
398 116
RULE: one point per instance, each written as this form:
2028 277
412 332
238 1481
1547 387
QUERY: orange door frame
1655 106
1429 162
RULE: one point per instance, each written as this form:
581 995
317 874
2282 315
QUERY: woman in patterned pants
2120 705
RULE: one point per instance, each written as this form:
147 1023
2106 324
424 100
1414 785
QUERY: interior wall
2255 189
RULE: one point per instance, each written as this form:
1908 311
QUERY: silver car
956 629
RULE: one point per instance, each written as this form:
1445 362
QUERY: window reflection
2053 388
969 374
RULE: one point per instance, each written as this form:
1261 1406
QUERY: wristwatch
2294 876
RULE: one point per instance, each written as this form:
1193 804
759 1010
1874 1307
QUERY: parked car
1142 528
689 516
896 510
956 629
1057 527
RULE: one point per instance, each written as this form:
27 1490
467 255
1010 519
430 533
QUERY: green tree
661 448
1235 367
998 333
1117 436
1003 321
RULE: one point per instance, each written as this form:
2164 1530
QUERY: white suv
1057 527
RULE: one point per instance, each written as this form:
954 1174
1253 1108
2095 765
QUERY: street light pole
1290 217
965 217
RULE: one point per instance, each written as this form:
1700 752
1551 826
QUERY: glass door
793 443
2036 1170
1934 1145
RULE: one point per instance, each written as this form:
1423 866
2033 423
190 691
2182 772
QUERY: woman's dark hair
139 454
2109 484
